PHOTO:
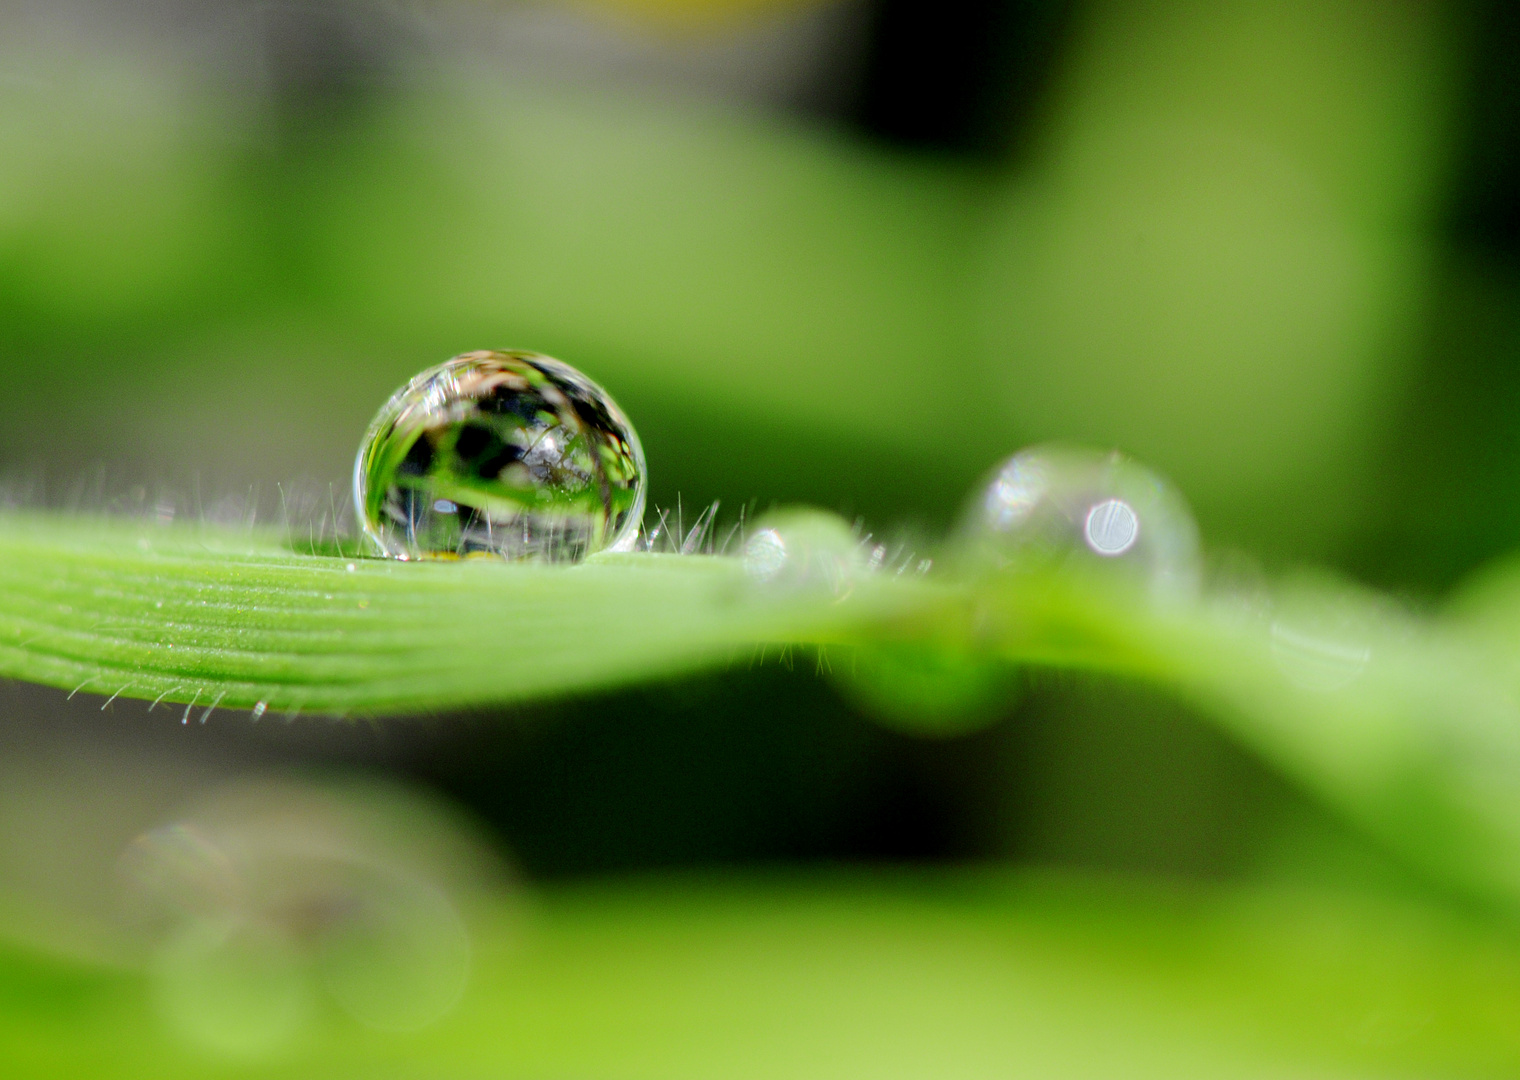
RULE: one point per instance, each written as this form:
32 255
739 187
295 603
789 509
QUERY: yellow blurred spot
697 16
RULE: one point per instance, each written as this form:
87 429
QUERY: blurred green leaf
1404 727
949 974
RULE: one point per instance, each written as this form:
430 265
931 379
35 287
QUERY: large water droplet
1052 506
803 550
507 453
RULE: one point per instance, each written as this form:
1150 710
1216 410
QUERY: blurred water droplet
803 550
1053 506
396 961
182 868
509 453
355 889
1316 661
1323 638
927 689
233 987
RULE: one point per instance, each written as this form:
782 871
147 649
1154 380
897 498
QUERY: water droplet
397 928
926 688
508 453
180 867
233 986
803 550
1322 636
284 889
1318 661
1052 506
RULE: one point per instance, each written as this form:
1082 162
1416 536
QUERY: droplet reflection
1111 527
506 453
1052 506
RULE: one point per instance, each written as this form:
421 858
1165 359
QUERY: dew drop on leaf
1056 506
1324 638
500 453
806 550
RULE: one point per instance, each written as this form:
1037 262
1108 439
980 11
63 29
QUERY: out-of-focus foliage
1213 259
1217 260
954 974
1218 235
1411 732
701 15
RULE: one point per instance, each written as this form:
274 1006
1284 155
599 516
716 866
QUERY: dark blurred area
848 254
961 78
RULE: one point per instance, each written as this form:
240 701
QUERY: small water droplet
929 689
507 453
803 550
259 709
1052 506
1322 637
1318 661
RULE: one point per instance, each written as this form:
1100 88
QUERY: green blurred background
846 253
